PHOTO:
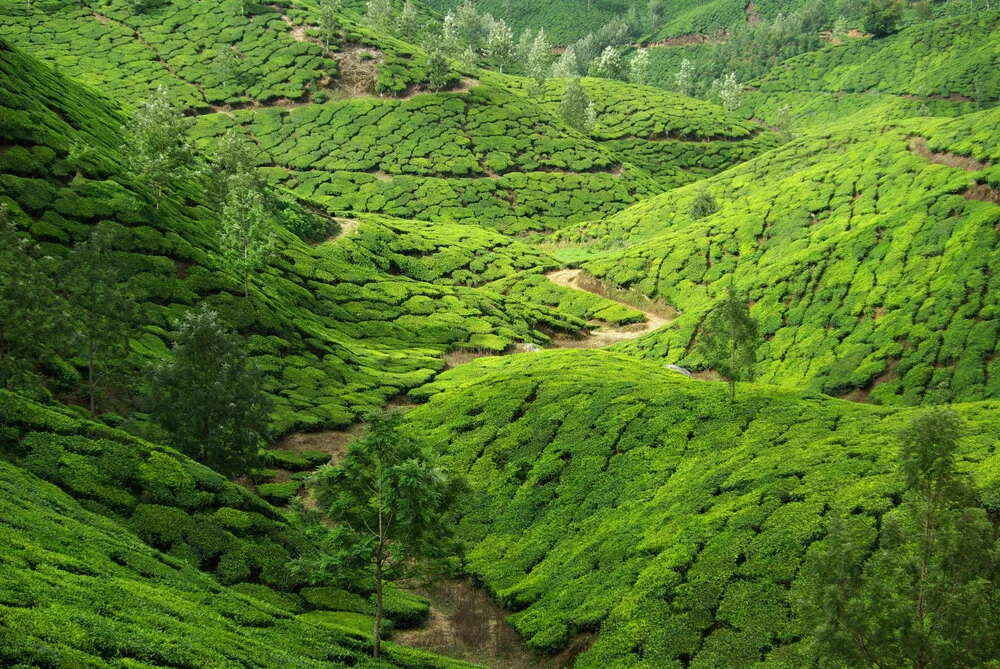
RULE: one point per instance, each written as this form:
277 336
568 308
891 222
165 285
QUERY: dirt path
607 334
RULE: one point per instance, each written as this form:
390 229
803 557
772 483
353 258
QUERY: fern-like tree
728 91
539 62
729 340
409 25
610 65
102 312
576 108
391 505
684 78
246 231
155 150
209 399
328 20
917 590
378 15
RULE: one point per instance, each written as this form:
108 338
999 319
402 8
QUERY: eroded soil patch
465 624
918 145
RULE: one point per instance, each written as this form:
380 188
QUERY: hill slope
869 258
620 497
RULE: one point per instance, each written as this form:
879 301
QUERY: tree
246 232
538 64
684 78
638 67
576 108
881 16
209 399
227 61
391 504
500 45
729 91
438 70
610 65
378 15
469 26
101 309
729 340
328 20
408 26
30 315
925 597
703 204
568 64
155 150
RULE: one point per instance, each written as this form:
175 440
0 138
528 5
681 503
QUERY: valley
440 334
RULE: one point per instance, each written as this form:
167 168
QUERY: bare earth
607 334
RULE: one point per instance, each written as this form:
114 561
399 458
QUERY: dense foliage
621 496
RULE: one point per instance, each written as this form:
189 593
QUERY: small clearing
657 314
465 624
348 226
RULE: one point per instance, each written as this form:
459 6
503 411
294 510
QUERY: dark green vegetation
392 505
620 496
675 139
80 587
486 156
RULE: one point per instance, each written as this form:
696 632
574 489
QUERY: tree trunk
377 633
90 373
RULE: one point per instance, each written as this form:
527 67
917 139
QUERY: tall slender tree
920 591
155 150
246 230
101 309
729 340
329 20
30 314
209 398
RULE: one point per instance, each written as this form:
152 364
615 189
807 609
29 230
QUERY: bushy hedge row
675 139
486 155
128 54
620 497
864 264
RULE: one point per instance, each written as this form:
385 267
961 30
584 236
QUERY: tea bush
618 497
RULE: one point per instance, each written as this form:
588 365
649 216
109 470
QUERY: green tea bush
866 267
620 498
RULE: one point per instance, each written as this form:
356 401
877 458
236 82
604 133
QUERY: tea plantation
487 156
675 139
616 495
383 223
866 266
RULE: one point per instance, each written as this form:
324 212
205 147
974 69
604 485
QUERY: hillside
79 588
673 138
620 496
867 255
